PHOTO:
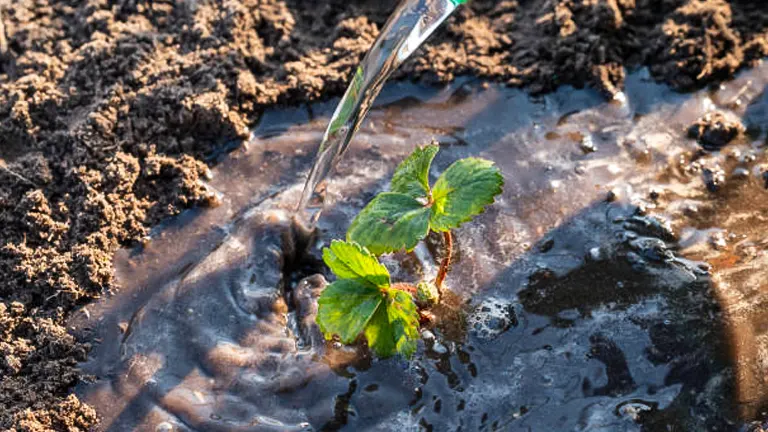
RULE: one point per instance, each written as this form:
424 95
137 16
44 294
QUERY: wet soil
614 286
111 113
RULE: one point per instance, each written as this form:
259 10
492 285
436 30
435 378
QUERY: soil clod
715 130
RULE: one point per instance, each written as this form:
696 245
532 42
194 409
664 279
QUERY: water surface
589 305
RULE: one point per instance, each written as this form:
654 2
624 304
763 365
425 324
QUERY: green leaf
392 221
463 191
361 300
405 320
352 261
394 327
346 306
412 175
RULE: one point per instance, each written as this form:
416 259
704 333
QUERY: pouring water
412 22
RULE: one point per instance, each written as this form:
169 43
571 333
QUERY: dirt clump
545 44
38 363
715 130
110 110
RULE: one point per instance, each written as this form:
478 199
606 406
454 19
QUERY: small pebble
642 208
164 427
546 245
595 254
740 173
714 179
587 145
717 241
620 97
690 209
212 199
439 348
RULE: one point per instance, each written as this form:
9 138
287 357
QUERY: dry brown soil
109 110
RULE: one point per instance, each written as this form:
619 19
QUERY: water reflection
585 313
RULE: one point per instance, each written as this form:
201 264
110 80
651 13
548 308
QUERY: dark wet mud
617 285
110 111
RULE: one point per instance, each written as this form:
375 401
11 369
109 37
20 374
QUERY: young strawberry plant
363 300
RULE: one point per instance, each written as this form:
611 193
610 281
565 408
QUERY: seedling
363 299
399 219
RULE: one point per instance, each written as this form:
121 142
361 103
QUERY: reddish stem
446 263
402 286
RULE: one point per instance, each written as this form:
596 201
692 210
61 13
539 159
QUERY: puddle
590 307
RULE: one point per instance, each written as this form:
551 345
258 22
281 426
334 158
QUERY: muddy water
615 286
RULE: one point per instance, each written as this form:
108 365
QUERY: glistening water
618 284
411 23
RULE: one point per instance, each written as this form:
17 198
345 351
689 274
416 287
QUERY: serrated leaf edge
499 190
364 251
401 166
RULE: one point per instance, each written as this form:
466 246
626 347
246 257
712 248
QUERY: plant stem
446 263
404 287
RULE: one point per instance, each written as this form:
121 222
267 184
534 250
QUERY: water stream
583 300
412 22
